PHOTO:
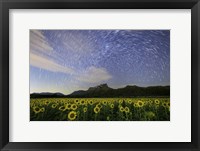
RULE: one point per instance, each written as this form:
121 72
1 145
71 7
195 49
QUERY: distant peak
103 85
99 86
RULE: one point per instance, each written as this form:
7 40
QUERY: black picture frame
5 5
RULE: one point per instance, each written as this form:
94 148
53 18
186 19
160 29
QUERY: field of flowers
100 109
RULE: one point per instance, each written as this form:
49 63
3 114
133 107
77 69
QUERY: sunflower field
100 109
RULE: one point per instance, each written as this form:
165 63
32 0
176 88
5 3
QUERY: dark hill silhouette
46 95
104 91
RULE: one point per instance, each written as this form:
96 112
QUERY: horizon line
100 85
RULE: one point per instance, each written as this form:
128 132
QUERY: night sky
69 60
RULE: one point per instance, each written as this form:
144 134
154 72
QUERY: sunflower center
37 109
72 115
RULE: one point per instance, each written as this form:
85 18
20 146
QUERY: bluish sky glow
69 60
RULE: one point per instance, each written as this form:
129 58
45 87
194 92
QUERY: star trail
69 60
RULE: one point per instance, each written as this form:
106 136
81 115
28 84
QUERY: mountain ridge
103 90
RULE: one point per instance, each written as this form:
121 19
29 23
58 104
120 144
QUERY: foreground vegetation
100 109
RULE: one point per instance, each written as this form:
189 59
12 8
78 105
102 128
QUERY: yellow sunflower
72 115
85 109
164 104
112 105
42 109
46 102
36 109
65 103
129 101
54 105
126 109
62 108
168 104
76 101
135 104
157 101
91 102
96 109
104 103
73 106
82 102
121 109
99 105
140 103
68 106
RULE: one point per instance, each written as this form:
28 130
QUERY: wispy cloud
43 56
38 43
45 63
94 75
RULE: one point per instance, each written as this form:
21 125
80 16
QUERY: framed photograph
99 75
